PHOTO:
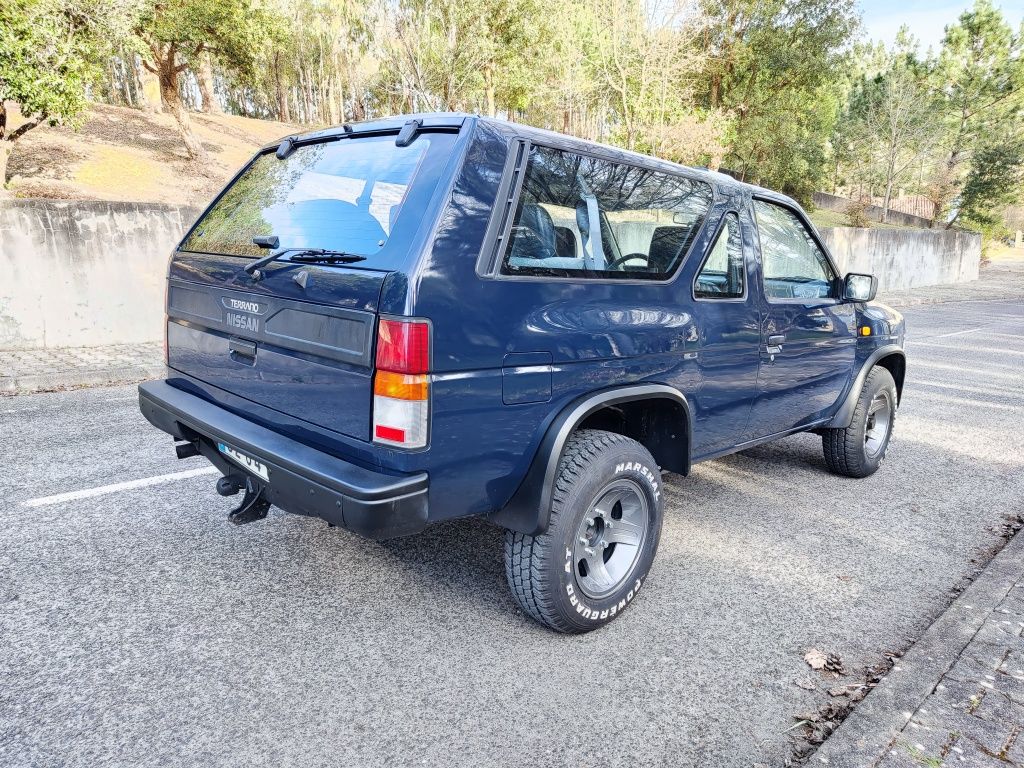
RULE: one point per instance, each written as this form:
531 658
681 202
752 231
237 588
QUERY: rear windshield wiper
304 255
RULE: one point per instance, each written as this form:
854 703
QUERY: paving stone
995 706
1010 685
988 735
973 715
42 370
904 756
969 669
968 754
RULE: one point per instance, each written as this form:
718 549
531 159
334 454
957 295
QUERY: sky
926 18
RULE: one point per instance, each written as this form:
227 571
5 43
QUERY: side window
722 275
792 263
580 216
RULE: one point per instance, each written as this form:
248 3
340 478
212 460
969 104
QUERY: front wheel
859 449
606 514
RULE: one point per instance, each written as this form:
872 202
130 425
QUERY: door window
792 264
721 275
582 216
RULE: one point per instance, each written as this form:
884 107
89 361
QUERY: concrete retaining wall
904 259
84 273
88 274
873 212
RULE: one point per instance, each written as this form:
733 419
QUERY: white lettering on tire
587 611
643 469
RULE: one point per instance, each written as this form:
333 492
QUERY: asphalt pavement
138 627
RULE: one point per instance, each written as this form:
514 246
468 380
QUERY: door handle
774 345
777 340
242 351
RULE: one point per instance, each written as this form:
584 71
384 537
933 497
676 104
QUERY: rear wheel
606 513
859 449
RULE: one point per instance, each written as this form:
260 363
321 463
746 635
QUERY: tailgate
302 358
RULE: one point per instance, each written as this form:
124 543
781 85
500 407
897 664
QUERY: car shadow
464 554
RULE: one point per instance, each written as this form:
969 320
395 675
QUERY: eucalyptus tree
177 34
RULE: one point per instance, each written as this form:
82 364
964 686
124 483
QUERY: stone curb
900 301
59 380
869 732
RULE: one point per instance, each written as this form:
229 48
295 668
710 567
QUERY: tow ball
254 505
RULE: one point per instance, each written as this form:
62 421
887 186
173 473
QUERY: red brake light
403 346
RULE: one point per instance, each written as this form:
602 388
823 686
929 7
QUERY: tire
859 449
606 515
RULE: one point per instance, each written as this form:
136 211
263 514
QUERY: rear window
580 216
343 195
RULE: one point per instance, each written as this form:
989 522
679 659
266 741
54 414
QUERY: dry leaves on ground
828 662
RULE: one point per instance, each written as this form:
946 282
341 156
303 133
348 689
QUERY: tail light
401 385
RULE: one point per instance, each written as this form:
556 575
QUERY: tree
436 54
980 75
891 118
774 65
515 36
49 51
644 54
177 33
993 183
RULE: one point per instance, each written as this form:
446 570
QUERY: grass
117 168
823 218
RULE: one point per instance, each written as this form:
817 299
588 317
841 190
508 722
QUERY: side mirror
858 287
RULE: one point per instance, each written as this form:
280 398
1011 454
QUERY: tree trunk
5 152
167 73
205 77
149 86
489 89
7 139
283 114
357 105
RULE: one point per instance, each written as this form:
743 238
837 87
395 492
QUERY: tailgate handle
239 348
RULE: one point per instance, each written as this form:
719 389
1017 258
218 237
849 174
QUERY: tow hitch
254 505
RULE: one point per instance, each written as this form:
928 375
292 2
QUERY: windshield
342 195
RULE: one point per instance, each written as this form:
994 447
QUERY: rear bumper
303 479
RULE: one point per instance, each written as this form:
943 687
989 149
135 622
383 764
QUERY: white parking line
959 333
103 490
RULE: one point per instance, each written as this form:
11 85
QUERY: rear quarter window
581 216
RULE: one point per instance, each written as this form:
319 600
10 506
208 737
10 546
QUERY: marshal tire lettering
653 479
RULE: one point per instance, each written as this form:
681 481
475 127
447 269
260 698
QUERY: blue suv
403 321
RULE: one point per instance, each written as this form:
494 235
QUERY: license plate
258 468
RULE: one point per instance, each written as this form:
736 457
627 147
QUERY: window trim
490 261
741 299
806 222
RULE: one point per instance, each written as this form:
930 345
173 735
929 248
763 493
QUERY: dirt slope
127 154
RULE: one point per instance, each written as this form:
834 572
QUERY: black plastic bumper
303 480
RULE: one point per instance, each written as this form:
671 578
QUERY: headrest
536 238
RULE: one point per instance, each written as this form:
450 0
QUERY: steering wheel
628 257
